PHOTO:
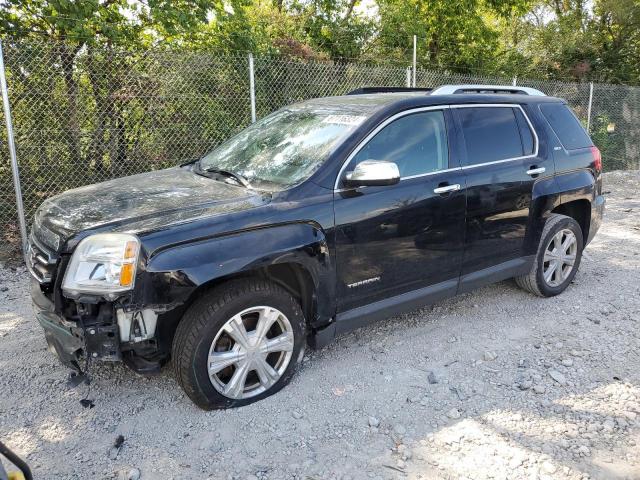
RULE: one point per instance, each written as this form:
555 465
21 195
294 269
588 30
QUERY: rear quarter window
566 126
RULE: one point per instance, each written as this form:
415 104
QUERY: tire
221 315
535 281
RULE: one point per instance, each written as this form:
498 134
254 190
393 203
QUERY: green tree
462 34
92 32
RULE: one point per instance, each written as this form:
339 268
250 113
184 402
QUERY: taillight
597 159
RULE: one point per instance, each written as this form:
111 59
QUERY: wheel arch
294 256
580 211
569 194
292 276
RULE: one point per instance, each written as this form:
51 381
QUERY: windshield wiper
227 173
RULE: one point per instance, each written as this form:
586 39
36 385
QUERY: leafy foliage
562 39
105 88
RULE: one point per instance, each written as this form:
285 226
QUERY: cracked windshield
283 148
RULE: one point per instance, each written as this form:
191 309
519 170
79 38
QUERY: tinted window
566 126
417 143
525 132
490 134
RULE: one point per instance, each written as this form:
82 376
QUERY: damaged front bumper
61 339
104 334
71 342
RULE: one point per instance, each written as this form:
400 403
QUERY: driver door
405 238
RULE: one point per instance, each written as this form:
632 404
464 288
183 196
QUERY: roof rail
499 89
366 90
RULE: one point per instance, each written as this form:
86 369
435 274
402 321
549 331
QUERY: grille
41 262
44 236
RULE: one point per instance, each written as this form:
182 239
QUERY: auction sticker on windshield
344 119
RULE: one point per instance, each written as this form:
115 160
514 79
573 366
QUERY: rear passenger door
501 162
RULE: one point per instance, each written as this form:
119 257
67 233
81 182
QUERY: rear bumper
597 212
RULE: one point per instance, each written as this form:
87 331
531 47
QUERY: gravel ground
492 384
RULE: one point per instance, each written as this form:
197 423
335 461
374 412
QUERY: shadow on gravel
499 443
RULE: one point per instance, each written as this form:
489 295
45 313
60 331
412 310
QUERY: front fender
173 273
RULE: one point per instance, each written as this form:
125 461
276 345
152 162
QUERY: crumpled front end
132 322
89 326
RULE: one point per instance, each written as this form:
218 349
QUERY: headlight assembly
103 264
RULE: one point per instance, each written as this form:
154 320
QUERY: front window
285 147
416 143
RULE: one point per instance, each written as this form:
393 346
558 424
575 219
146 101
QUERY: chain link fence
85 115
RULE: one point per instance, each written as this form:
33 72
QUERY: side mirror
372 173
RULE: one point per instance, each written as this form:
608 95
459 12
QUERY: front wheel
239 344
557 259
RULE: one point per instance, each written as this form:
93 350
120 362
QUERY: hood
138 203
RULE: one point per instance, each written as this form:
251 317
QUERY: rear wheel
239 344
557 259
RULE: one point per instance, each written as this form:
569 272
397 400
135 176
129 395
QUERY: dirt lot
494 384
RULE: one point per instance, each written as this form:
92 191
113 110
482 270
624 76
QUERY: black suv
320 218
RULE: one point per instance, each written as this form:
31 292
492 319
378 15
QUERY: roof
370 103
359 104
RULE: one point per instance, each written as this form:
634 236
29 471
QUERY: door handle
536 171
447 188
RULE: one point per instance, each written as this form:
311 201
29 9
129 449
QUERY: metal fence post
415 52
252 89
408 77
589 107
12 153
515 80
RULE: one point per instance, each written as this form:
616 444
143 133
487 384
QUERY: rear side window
566 126
490 134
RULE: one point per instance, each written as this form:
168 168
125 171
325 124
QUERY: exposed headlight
103 264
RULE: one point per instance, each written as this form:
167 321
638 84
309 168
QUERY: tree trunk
434 48
103 94
350 8
120 153
119 147
72 127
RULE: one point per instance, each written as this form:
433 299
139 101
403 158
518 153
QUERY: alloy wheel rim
560 257
251 352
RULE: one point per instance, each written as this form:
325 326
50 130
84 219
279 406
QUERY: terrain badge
364 282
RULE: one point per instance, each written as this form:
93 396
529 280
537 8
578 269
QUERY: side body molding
173 273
